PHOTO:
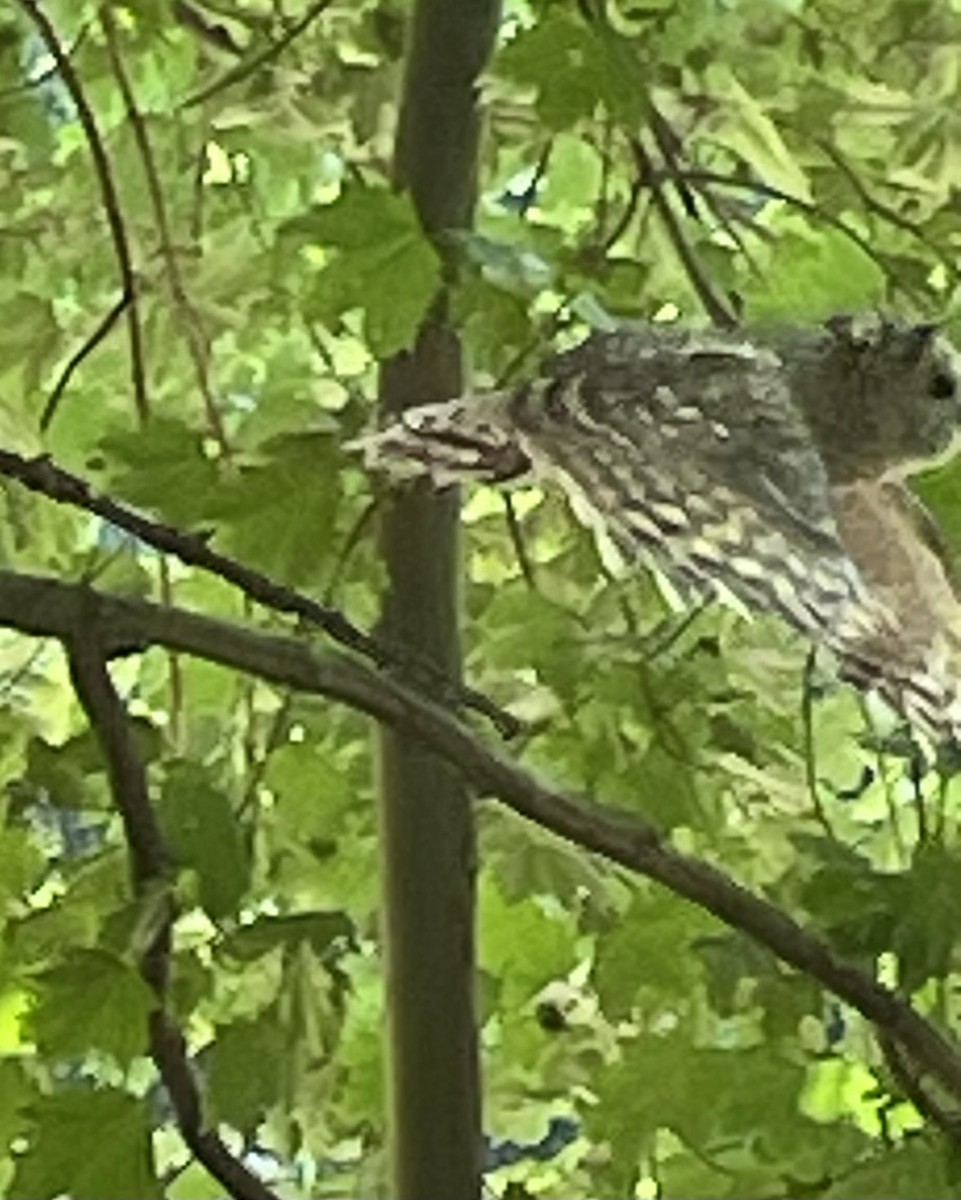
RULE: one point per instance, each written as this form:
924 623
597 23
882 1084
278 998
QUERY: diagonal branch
44 607
715 308
704 180
41 475
106 323
928 1105
149 871
243 70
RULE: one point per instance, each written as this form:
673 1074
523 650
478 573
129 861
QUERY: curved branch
149 869
109 197
705 179
44 607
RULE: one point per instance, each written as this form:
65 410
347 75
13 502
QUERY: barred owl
735 462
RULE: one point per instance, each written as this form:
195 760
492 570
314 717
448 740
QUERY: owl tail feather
916 683
471 437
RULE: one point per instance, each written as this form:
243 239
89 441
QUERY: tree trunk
425 811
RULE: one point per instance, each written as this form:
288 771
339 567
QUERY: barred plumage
720 457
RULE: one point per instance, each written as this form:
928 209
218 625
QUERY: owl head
891 392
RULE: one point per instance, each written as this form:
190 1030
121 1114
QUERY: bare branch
885 212
149 869
913 1087
41 475
706 179
44 607
810 749
107 323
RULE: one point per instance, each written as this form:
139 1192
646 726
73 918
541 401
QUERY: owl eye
942 385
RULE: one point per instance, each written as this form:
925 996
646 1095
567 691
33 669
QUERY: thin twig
528 197
621 225
176 706
347 547
916 774
37 81
668 632
810 749
518 542
602 203
715 308
253 64
257 764
768 191
669 147
187 316
107 323
727 221
109 198
877 743
885 211
209 32
198 190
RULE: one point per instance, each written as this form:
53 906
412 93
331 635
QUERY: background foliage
774 160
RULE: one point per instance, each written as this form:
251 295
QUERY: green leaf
28 338
902 1172
818 273
201 831
522 943
22 862
381 262
162 468
61 773
649 948
94 1145
70 775
279 515
246 1072
92 1000
928 905
573 68
940 490
320 930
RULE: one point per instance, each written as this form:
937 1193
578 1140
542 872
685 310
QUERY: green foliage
202 834
69 1144
91 1001
809 153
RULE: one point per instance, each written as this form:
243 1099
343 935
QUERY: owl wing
690 451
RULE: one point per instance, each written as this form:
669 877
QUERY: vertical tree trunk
426 818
